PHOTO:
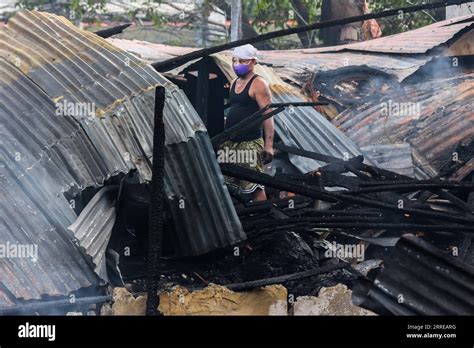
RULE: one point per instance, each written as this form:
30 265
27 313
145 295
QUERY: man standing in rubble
249 93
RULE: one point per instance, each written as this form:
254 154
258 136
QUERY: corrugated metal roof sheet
44 60
288 63
292 64
94 225
154 52
35 169
419 279
382 53
373 53
151 51
420 40
302 127
433 117
207 215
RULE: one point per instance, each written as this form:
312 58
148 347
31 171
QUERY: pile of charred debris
416 236
403 245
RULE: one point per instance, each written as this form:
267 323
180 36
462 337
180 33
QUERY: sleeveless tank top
242 106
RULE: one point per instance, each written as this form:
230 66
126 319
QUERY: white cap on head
245 52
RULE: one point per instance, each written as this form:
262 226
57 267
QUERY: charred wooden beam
353 165
405 210
411 187
286 278
307 154
202 90
243 126
242 211
454 200
255 119
265 179
359 225
436 187
331 159
441 183
112 31
465 246
353 212
155 230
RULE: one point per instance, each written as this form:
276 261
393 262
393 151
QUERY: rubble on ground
336 300
218 300
124 303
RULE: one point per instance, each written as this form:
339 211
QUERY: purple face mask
241 69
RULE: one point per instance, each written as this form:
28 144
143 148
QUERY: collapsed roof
46 61
47 64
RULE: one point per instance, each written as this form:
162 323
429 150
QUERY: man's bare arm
263 97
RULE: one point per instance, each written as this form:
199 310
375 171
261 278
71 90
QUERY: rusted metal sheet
433 117
288 64
294 64
393 54
153 52
418 41
150 51
385 53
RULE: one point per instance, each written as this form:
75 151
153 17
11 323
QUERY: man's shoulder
260 82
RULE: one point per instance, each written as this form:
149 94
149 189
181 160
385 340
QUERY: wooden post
155 230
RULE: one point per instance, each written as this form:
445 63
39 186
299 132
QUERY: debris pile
218 300
336 300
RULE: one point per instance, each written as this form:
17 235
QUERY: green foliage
403 22
159 20
270 15
86 11
276 14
